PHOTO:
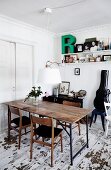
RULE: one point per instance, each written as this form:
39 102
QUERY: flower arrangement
34 93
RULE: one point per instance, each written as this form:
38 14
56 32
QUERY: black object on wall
102 94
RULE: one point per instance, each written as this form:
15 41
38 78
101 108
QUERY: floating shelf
105 56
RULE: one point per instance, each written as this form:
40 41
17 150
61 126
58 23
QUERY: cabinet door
7 79
7 71
24 69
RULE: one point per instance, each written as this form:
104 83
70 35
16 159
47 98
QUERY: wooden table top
57 111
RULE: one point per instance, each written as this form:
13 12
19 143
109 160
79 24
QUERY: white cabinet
24 71
7 71
16 74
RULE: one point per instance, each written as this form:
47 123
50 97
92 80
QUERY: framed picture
98 58
94 46
64 88
67 58
77 71
75 57
79 48
87 46
106 57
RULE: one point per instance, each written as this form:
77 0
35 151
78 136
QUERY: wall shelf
87 57
87 52
100 62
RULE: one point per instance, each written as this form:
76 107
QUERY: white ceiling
83 13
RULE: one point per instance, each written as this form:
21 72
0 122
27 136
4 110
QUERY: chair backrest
14 110
107 106
69 103
41 121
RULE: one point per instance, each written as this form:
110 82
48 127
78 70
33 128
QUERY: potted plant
34 93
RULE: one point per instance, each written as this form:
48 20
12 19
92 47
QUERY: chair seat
46 131
108 118
25 121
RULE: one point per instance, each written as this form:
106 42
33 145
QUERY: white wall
89 78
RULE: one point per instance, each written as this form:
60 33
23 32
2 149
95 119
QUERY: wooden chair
45 130
69 103
18 123
107 117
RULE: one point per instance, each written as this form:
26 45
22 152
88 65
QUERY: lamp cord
48 21
64 6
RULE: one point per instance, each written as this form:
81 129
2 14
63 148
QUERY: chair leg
65 125
43 140
31 146
25 130
52 155
102 119
106 131
95 118
19 138
61 142
56 123
9 123
34 126
79 128
93 113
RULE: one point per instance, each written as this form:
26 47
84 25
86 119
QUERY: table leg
71 156
87 132
9 119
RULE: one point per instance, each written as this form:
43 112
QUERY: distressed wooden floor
96 157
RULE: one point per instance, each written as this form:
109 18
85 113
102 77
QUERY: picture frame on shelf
98 58
75 58
71 59
106 57
64 88
79 48
66 57
87 46
94 46
77 71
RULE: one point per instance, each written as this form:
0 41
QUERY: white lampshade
49 76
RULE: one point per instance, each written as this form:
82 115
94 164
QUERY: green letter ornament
68 42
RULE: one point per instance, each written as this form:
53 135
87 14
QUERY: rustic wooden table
68 114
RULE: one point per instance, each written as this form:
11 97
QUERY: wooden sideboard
61 98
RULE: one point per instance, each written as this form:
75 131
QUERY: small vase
36 101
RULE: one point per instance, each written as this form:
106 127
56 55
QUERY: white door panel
7 71
7 79
15 75
23 70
